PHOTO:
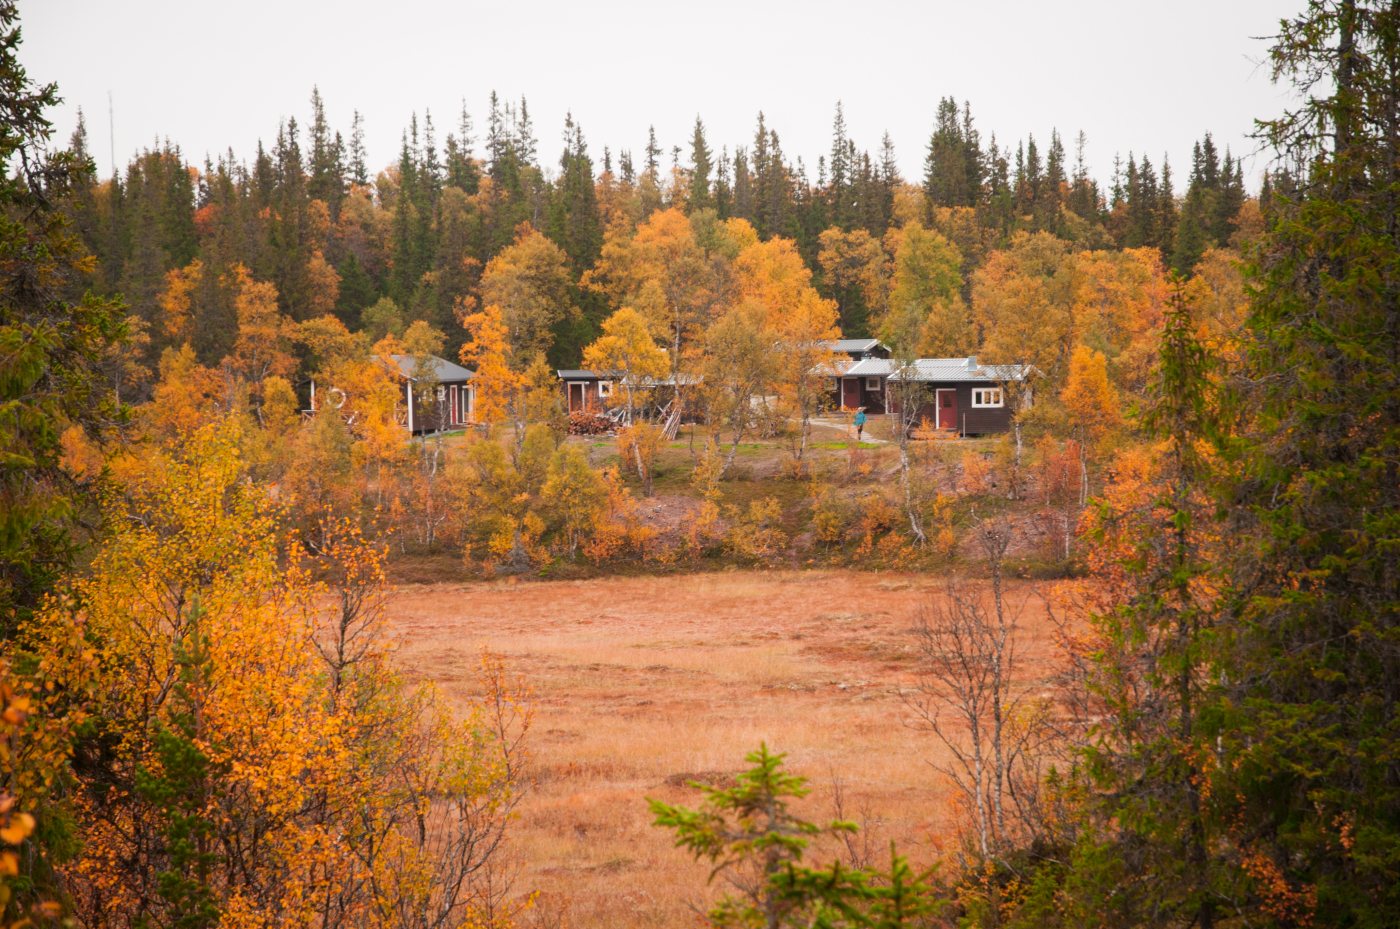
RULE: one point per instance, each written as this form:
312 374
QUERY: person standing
860 422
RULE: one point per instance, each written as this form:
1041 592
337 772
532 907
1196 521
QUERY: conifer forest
529 534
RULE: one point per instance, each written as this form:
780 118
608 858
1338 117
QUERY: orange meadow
643 683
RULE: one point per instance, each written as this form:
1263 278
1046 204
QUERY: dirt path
642 683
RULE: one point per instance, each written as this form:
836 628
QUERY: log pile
584 423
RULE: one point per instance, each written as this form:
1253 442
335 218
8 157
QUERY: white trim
870 389
409 384
988 398
605 389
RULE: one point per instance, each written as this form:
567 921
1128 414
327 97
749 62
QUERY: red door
850 393
575 397
948 409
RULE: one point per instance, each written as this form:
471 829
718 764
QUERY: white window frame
605 389
988 398
872 385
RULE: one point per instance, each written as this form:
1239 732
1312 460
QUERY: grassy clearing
642 684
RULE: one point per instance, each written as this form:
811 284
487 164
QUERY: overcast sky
1132 75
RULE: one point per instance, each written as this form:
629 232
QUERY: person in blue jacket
860 422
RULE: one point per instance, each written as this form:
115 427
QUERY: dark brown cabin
454 405
964 397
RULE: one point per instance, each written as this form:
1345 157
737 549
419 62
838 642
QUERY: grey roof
566 374
444 370
942 370
855 345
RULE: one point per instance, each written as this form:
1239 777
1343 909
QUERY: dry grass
643 683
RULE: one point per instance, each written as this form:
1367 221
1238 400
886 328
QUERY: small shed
593 391
963 396
586 390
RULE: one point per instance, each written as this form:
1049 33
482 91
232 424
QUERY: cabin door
850 393
576 396
452 406
947 409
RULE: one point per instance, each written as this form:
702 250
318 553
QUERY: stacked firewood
584 423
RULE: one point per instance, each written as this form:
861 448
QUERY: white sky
1133 75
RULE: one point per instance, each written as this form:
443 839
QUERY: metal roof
566 374
942 370
855 345
443 370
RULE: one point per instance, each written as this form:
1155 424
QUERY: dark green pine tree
430 170
724 187
144 258
289 251
357 291
357 169
1084 198
1142 202
50 371
1191 240
408 267
700 168
576 226
998 194
839 194
1229 200
743 185
1308 730
947 174
462 170
327 181
809 216
1166 220
525 146
887 182
177 208
1052 189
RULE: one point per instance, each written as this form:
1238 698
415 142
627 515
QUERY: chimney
972 362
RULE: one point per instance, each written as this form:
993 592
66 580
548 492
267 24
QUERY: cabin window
605 389
872 385
990 396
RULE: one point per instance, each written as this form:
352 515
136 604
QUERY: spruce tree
462 170
743 185
724 188
327 181
1310 712
946 172
50 376
700 198
839 171
358 170
1191 240
1166 220
525 135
